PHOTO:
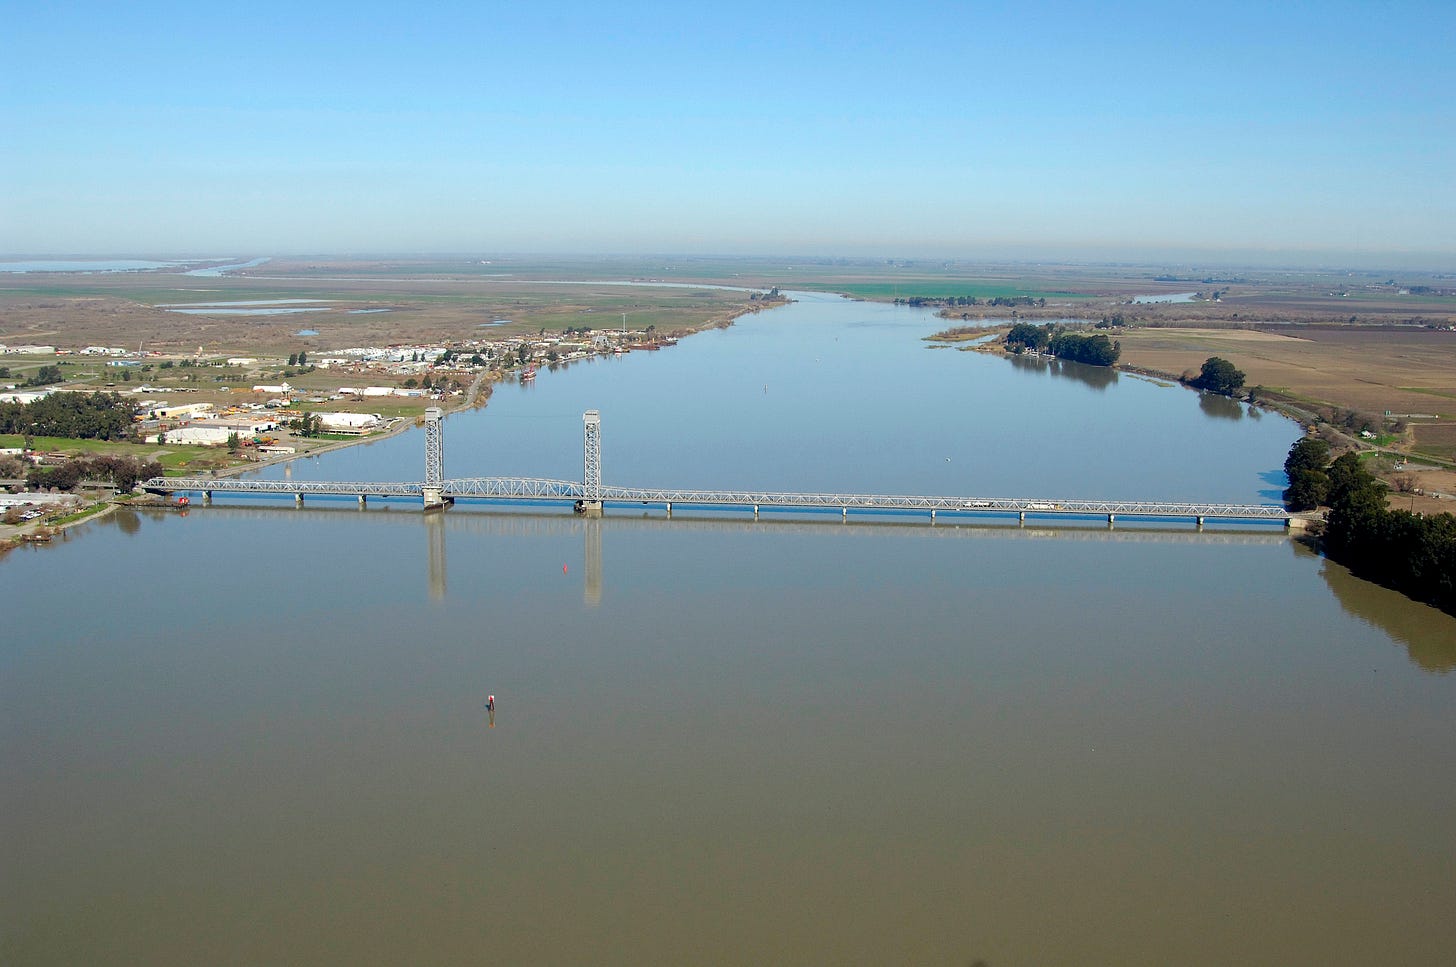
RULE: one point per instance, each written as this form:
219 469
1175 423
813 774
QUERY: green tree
1095 350
1308 453
233 443
1356 516
302 358
1347 476
1309 483
1307 489
1024 336
98 416
63 477
45 376
293 359
1219 376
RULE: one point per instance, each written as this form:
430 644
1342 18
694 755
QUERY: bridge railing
370 488
540 488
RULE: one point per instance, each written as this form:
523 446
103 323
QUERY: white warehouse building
205 436
350 422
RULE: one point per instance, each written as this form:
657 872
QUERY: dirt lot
1438 492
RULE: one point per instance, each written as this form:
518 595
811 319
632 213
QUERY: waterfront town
225 413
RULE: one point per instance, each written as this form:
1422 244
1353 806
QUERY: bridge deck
535 488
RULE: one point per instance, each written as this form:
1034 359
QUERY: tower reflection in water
435 532
591 548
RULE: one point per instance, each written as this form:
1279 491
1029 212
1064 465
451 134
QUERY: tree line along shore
1414 554
1407 551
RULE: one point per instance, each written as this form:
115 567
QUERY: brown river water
251 734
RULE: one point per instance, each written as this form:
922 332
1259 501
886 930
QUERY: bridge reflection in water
482 522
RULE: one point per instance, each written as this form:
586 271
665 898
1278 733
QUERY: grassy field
173 458
1369 370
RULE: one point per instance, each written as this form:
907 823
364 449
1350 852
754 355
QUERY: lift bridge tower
591 479
434 458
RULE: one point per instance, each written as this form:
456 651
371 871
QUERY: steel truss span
530 487
961 504
590 492
288 488
539 488
515 488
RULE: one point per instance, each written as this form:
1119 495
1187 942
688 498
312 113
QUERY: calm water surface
250 734
85 265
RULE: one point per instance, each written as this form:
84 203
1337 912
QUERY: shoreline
1396 475
476 396
27 534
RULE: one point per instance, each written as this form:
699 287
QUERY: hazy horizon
1334 262
1051 132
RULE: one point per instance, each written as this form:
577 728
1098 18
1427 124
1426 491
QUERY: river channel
256 734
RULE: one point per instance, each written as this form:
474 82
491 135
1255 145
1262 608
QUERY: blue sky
1134 130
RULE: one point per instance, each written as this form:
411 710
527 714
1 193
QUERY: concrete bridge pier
1199 521
207 498
1111 519
362 501
669 508
434 498
1023 518
592 508
298 499
755 511
932 515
